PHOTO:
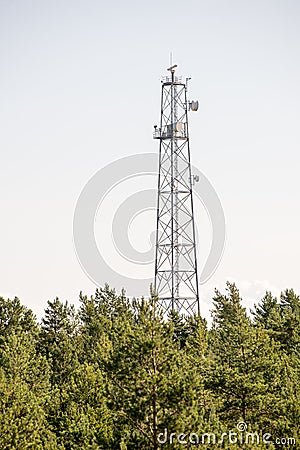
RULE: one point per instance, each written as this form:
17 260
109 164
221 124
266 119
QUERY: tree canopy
116 374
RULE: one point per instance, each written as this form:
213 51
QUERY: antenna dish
179 127
194 105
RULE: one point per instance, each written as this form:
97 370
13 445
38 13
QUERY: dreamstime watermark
114 224
238 436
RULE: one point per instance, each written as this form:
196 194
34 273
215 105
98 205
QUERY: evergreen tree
118 375
15 317
84 418
267 314
24 393
58 340
152 386
290 310
245 370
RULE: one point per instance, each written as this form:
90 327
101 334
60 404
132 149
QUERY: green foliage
245 371
25 390
58 339
153 386
15 317
116 374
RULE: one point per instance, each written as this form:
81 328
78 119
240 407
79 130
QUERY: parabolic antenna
179 127
194 105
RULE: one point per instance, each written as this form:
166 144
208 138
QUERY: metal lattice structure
176 278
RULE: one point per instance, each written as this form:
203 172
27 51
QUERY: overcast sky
80 88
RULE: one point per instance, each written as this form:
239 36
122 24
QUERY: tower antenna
176 277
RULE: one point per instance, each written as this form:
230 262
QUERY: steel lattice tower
176 278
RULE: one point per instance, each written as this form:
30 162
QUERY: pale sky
80 88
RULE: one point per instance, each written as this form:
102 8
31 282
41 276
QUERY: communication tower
176 278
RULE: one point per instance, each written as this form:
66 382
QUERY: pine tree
58 340
152 386
281 319
24 393
85 420
15 317
245 371
290 310
282 322
267 314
